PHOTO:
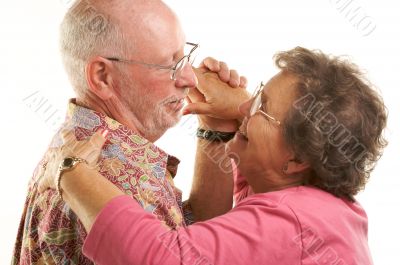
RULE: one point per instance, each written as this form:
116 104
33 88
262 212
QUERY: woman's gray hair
85 32
337 122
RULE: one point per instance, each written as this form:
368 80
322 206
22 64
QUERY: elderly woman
308 142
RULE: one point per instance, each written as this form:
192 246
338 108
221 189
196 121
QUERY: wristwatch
67 164
215 136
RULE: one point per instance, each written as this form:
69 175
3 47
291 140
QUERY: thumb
199 72
98 139
197 108
93 151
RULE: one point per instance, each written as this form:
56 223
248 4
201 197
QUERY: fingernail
185 112
105 133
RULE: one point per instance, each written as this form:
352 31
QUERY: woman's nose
244 108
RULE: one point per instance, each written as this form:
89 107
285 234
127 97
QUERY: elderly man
126 62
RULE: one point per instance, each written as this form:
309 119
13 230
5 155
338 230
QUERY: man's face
148 93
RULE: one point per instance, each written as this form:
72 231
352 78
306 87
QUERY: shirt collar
86 121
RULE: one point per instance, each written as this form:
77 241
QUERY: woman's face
259 144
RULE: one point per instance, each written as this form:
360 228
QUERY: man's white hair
84 33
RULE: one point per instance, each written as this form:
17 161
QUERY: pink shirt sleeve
124 234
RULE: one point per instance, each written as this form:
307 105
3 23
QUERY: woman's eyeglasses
257 104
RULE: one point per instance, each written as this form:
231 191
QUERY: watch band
66 164
215 136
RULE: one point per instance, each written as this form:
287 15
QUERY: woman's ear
99 76
295 166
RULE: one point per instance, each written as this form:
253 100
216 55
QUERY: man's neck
117 112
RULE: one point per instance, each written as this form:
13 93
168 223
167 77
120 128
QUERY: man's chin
175 120
170 120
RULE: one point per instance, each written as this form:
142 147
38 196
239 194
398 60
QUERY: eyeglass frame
257 109
174 68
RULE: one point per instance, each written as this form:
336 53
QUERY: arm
121 232
86 191
216 100
212 188
253 233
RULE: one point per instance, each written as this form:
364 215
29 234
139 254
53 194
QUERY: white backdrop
245 34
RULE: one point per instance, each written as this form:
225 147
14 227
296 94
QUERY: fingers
48 171
188 100
243 82
211 64
224 73
234 80
195 95
67 136
221 68
89 150
98 139
92 150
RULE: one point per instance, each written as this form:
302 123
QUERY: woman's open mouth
242 135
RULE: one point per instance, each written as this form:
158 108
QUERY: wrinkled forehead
280 91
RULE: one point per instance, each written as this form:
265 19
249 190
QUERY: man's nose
187 77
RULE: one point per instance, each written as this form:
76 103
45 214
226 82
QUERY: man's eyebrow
179 53
172 58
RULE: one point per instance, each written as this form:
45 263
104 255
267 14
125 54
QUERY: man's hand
218 95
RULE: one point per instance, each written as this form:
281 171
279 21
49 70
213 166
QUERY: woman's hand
85 190
88 150
218 95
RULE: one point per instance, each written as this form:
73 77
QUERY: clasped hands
217 97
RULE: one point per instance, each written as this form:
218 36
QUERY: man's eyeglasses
257 104
176 70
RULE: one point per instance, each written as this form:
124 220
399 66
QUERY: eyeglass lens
190 58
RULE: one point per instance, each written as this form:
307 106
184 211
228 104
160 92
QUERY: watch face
68 162
208 134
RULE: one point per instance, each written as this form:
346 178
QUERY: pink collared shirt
301 225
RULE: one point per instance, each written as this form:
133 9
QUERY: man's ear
100 78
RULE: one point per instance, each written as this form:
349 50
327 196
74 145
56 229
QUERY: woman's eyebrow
264 97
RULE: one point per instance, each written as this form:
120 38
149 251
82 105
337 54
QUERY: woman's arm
86 191
256 232
121 232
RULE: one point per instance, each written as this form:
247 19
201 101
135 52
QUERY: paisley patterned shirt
50 233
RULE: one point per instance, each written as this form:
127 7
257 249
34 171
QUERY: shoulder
313 201
308 206
321 225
